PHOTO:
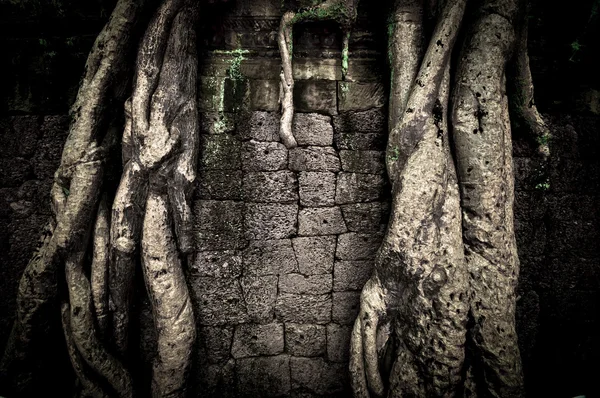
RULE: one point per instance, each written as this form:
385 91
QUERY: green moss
395 155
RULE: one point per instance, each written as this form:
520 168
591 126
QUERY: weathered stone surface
269 257
318 69
261 126
305 284
372 162
321 221
364 70
313 129
264 95
303 308
270 221
355 188
263 156
338 342
355 96
315 96
270 186
218 225
219 184
370 121
360 141
315 254
314 158
217 122
264 376
215 342
219 152
355 246
317 188
317 375
345 307
366 217
304 340
218 264
351 275
211 93
218 301
260 294
251 340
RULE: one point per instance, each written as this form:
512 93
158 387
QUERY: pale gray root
88 387
524 112
340 11
167 288
75 190
99 267
405 51
419 283
83 331
483 148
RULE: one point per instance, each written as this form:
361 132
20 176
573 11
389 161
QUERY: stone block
318 376
321 221
354 96
371 162
251 340
317 188
303 308
338 342
345 307
218 264
314 158
315 96
270 186
270 221
356 188
304 340
260 294
215 342
269 257
211 92
218 301
261 126
264 376
351 275
355 246
313 129
364 70
359 141
219 152
264 156
219 225
370 121
366 217
217 122
317 69
305 284
219 184
315 255
215 380
264 95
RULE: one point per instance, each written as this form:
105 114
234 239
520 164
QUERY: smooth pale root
419 269
167 288
99 267
405 49
483 147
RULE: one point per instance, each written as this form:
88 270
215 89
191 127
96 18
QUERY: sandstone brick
366 217
219 184
313 129
351 275
358 96
217 122
215 342
270 186
264 376
270 257
345 307
315 254
369 121
251 340
218 301
264 94
219 152
338 342
261 126
260 294
354 246
317 69
315 96
355 188
218 264
372 162
303 284
318 376
305 340
359 141
314 158
321 221
270 221
303 308
317 188
263 156
219 225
